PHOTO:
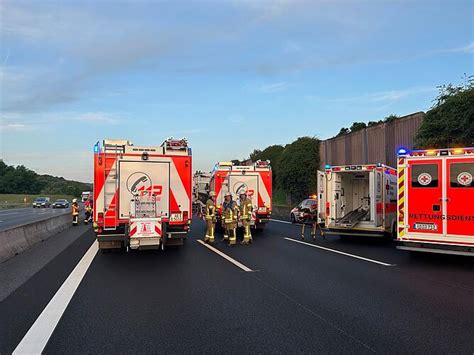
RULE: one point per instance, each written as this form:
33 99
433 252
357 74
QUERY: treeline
21 180
449 123
293 167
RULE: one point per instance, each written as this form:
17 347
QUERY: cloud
14 127
73 46
377 97
97 117
21 122
271 88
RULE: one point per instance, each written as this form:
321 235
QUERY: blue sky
231 76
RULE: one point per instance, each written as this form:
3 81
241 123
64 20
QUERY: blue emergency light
327 166
96 147
402 151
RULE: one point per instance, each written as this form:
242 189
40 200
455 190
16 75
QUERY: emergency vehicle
256 179
85 196
358 200
142 194
436 200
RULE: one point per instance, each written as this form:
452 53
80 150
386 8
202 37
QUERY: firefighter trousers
247 234
313 230
211 226
230 232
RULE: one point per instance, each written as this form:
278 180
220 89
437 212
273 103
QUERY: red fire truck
256 179
436 200
142 194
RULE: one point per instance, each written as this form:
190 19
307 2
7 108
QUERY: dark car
61 203
297 214
41 202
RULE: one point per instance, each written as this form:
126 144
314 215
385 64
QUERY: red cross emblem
424 179
465 178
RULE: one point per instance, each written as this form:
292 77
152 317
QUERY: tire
293 218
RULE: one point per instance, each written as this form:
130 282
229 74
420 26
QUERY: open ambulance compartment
353 194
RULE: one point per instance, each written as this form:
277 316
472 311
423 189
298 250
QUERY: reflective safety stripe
401 198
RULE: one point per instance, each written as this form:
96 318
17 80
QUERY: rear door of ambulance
321 186
141 177
424 199
460 199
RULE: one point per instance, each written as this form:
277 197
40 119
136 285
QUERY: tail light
100 218
185 217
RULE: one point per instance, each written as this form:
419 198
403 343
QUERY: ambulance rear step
450 251
352 218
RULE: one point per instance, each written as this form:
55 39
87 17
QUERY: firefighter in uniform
310 216
210 217
245 212
75 212
229 214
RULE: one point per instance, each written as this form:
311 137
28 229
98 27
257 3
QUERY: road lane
19 216
300 299
187 300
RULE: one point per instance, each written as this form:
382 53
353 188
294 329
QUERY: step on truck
357 200
142 194
256 179
436 200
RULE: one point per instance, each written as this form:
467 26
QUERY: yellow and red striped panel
401 198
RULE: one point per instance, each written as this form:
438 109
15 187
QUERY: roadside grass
279 198
18 200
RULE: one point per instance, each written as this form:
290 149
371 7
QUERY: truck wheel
292 218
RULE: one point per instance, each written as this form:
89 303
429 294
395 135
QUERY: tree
357 126
297 167
390 118
254 155
450 122
21 180
343 131
272 153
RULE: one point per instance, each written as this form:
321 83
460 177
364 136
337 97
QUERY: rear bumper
355 232
436 248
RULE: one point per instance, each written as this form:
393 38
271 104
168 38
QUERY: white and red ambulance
124 176
436 200
358 200
256 179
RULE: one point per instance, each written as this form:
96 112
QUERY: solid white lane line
38 335
279 221
225 256
340 252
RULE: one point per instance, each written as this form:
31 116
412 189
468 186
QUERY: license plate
262 209
176 217
425 226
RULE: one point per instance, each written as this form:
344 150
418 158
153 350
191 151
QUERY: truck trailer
358 200
142 194
436 200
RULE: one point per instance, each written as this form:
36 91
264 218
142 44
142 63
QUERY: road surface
15 217
278 295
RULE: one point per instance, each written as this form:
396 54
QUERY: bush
298 165
451 121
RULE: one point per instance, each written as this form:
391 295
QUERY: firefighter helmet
228 193
74 200
243 192
212 194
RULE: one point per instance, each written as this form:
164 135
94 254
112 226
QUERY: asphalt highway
331 296
15 217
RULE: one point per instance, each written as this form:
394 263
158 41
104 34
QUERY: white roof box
117 142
